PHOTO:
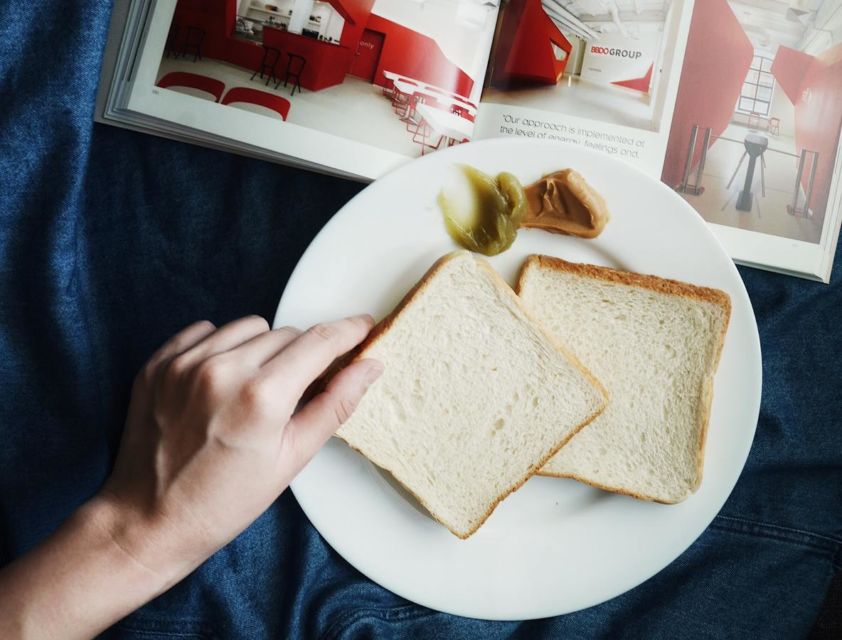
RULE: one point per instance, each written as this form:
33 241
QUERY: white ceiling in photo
809 25
589 19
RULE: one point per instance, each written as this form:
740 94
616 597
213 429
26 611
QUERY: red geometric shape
791 69
193 81
638 84
415 55
524 52
262 98
718 56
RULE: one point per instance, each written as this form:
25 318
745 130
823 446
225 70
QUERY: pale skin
211 439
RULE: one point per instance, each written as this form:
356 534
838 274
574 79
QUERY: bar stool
172 39
193 43
295 66
268 64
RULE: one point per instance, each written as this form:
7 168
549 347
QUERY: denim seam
169 633
401 613
780 533
168 627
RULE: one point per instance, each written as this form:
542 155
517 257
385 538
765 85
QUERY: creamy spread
482 213
563 202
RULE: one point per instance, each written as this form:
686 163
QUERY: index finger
182 341
307 357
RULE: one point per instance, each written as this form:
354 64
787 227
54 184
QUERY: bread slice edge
503 286
660 285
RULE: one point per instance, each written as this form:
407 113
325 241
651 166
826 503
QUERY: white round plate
555 546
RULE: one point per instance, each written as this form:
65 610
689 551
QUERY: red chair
462 112
193 81
400 100
388 87
254 96
424 136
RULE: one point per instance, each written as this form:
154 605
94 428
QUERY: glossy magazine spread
736 105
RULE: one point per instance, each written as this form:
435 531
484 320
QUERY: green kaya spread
482 213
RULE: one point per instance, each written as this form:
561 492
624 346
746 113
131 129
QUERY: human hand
212 437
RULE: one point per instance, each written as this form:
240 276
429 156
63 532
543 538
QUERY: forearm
76 583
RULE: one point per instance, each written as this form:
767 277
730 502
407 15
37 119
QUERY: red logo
617 53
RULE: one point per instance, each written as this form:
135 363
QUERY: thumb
311 427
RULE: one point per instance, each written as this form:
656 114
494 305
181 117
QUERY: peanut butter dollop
563 202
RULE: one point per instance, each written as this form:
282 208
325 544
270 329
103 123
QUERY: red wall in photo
367 56
212 16
818 117
715 65
356 14
326 64
216 18
557 37
791 69
524 51
417 56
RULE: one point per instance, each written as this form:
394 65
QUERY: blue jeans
111 241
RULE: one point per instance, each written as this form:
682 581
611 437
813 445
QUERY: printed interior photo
400 75
605 60
756 125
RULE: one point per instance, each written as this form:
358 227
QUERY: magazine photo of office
605 60
755 131
400 75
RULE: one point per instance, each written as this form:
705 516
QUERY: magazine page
736 104
754 144
358 86
598 73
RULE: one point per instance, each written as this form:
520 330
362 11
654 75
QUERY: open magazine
735 104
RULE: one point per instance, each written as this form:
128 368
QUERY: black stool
193 43
268 64
171 45
295 65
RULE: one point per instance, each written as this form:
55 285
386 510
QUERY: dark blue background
111 241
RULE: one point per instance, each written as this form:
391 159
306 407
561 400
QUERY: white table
405 87
408 86
447 96
444 123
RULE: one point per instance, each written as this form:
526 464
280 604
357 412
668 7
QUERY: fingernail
374 371
365 317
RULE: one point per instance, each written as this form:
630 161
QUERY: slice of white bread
475 396
655 345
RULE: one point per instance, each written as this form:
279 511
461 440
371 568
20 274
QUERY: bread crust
660 285
384 325
604 487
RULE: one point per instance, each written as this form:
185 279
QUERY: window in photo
756 95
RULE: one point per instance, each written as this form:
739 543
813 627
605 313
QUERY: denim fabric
111 241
